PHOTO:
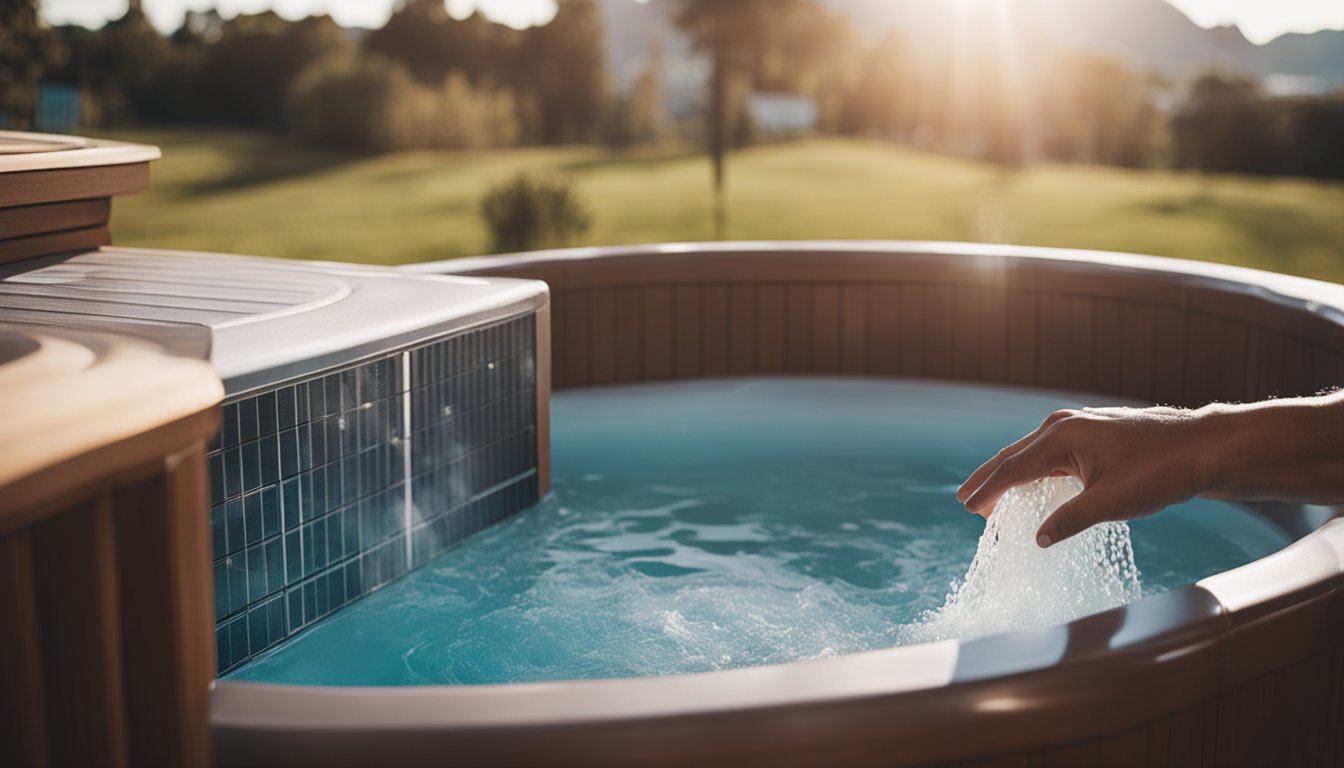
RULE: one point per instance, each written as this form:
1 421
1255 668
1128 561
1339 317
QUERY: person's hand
1132 462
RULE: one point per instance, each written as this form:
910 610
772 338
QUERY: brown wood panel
688 352
1052 342
1325 368
854 331
1106 341
53 217
771 309
940 324
1264 362
967 347
1232 362
826 338
34 187
578 338
169 660
559 366
742 329
912 335
1169 356
993 362
798 329
629 334
34 246
1203 364
1023 314
1138 326
1082 345
602 320
1078 754
1297 378
1159 738
1126 749
715 329
21 705
74 563
658 328
1186 744
889 334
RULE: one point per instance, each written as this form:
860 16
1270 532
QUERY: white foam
1013 584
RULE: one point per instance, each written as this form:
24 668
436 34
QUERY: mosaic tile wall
318 497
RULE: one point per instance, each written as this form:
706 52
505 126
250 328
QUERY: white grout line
406 515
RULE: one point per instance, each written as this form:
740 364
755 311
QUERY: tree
28 49
1096 109
563 66
639 115
1225 124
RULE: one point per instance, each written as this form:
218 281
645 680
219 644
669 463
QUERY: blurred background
392 132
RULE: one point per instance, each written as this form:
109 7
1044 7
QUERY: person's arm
1136 461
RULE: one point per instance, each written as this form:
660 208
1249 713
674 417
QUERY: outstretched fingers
978 477
1042 458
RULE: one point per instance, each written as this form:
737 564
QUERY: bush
371 104
525 213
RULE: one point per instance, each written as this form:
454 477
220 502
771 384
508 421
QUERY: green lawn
253 194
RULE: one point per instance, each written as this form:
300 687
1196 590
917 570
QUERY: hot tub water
717 524
1014 584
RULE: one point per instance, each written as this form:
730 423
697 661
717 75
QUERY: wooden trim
26 220
49 186
35 246
543 342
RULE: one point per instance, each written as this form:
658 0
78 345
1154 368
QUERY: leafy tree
563 66
736 35
1225 124
421 35
28 50
1095 109
638 115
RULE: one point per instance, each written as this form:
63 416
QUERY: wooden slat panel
688 352
1186 745
21 706
658 325
798 329
1081 754
826 342
966 326
742 329
1138 326
940 322
1203 362
993 336
887 328
1232 362
912 336
559 371
715 330
1169 356
854 331
771 306
1159 738
1264 363
1297 380
33 246
578 338
602 319
1023 311
1127 749
1082 350
1107 343
33 187
74 560
629 334
53 217
166 641
1053 337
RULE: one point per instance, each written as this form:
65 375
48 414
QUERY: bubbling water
1014 584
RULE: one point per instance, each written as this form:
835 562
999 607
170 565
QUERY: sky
1260 20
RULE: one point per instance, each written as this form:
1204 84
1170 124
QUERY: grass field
255 194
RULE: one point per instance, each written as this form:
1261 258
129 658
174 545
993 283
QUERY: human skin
1134 462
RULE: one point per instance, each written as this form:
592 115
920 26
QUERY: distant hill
1149 33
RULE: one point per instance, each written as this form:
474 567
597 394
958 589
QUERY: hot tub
1242 667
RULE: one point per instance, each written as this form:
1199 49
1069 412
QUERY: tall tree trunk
718 108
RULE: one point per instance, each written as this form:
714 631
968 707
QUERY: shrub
525 213
358 104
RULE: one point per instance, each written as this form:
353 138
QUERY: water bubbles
1014 584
